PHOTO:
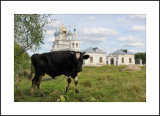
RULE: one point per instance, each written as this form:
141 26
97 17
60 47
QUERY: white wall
126 59
75 47
119 57
96 57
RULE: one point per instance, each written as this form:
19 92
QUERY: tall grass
96 84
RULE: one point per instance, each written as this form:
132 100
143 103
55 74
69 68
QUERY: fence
140 62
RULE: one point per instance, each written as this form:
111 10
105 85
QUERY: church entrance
112 61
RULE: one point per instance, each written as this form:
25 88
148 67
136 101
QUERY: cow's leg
38 83
76 84
68 82
33 85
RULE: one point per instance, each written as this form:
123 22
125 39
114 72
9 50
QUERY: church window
91 59
100 60
130 60
122 60
72 45
76 45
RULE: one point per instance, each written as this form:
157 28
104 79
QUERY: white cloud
51 39
94 40
120 20
53 26
91 18
131 41
136 51
46 47
137 17
49 32
100 31
138 44
138 28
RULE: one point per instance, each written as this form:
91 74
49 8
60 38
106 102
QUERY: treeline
140 56
28 35
22 63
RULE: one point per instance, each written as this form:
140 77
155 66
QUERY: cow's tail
32 71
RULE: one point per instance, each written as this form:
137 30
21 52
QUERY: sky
106 31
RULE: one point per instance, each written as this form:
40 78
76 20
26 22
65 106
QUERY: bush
22 63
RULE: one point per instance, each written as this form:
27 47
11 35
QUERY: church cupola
74 29
69 34
56 33
60 32
75 34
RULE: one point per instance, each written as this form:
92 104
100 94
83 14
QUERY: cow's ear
83 52
86 56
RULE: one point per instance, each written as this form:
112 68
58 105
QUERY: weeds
96 84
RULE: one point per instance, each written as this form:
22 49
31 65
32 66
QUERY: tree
140 56
29 30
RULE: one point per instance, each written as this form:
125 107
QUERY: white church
66 41
69 41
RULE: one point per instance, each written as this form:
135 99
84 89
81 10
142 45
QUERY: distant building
121 57
66 41
69 41
97 57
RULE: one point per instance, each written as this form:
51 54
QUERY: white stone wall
75 47
96 59
62 44
69 37
109 60
118 59
126 59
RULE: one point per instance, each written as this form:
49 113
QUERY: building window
130 60
76 45
122 60
72 45
100 60
91 59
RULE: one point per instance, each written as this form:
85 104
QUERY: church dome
74 29
64 30
60 32
56 33
69 33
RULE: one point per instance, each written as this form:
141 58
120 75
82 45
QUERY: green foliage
96 84
62 98
21 62
140 56
29 30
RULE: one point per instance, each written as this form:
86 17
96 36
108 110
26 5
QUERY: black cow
57 63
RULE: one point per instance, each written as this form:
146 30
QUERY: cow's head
79 56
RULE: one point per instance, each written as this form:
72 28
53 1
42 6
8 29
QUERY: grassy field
96 84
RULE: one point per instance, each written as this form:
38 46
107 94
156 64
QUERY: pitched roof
121 51
94 50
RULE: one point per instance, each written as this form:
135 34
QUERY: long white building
97 57
121 57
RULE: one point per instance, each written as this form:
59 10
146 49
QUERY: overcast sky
107 32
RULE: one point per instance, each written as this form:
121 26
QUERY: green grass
96 84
